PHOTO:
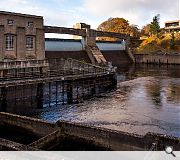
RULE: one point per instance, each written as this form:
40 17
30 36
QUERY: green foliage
118 25
154 26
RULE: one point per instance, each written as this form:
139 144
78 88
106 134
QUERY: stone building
21 36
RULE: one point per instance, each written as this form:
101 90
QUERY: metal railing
10 64
19 70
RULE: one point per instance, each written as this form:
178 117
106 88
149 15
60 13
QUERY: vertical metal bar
70 92
40 87
56 93
77 90
49 94
63 91
4 98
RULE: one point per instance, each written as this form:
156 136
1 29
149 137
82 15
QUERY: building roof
20 14
172 21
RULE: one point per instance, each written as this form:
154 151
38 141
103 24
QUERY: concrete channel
68 136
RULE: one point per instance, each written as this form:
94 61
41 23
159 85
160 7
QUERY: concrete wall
20 30
116 140
157 59
117 57
79 55
109 139
38 127
79 45
6 145
113 51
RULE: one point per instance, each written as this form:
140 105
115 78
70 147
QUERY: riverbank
158 58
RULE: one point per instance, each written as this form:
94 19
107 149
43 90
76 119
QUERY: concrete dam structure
114 52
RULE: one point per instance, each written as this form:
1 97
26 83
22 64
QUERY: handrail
53 67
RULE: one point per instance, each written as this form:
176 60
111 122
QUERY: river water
147 99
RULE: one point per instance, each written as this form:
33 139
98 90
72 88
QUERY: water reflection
147 100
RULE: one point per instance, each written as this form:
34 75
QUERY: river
147 99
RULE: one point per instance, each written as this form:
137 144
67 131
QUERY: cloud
136 11
53 11
68 12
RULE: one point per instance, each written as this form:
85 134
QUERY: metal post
93 89
49 94
40 87
56 92
4 98
114 82
70 92
63 91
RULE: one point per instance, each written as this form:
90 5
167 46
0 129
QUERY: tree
154 26
172 42
135 30
145 31
118 25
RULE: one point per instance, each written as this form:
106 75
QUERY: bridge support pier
70 92
129 50
3 103
93 89
114 82
40 89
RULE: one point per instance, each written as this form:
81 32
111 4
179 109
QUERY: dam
113 51
61 94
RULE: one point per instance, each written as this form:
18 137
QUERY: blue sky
68 12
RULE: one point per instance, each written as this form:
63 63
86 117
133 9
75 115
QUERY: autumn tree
118 25
145 31
135 31
154 26
172 42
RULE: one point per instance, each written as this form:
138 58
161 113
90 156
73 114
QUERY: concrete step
95 55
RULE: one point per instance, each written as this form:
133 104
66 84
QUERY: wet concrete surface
147 99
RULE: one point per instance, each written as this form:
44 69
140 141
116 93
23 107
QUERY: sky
69 12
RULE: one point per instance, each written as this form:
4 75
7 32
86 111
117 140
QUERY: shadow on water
147 100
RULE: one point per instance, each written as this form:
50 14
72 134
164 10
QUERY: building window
29 42
30 24
10 22
9 42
